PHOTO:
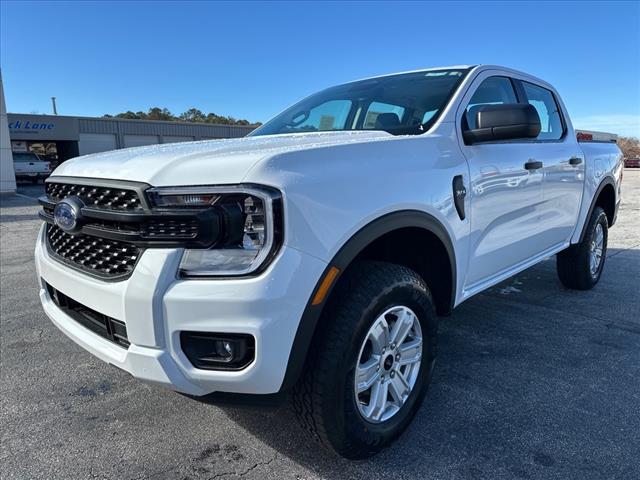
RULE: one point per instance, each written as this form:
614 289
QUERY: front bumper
156 306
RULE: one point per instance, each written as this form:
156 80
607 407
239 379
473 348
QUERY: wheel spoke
379 336
402 327
378 402
367 373
599 236
410 352
399 388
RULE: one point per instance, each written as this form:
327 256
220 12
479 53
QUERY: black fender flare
347 253
603 184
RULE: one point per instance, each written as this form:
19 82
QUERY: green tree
192 115
128 115
157 113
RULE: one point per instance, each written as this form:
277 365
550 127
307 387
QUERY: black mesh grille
109 198
100 256
170 229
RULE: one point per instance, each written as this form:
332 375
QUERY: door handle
533 165
575 161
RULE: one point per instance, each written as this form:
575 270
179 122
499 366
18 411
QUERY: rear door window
548 111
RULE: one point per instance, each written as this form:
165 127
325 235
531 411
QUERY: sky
251 60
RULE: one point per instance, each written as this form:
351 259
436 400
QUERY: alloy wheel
388 364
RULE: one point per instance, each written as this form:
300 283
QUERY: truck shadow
513 394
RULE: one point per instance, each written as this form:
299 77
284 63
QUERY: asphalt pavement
533 382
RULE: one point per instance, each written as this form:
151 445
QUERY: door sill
478 287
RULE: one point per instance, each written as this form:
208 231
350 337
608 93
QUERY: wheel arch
374 241
604 197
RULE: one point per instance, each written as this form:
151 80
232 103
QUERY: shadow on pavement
12 201
517 393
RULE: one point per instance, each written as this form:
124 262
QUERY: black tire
324 399
573 264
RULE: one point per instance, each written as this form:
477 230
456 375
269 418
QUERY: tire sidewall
419 301
599 218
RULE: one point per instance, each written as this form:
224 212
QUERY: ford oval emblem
66 214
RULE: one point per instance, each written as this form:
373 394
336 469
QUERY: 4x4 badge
459 193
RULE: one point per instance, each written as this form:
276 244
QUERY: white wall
96 142
173 139
7 174
139 140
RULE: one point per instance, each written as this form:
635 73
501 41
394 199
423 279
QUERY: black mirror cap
504 122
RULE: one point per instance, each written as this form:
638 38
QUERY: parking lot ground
533 381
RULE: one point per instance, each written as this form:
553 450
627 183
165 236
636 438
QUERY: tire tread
351 299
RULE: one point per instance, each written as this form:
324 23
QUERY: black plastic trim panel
604 183
135 231
113 330
353 247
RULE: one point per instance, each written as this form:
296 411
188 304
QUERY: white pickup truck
315 255
29 166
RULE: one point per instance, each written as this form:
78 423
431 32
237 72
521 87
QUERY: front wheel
580 266
370 366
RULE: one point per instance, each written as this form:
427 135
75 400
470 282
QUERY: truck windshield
404 104
25 157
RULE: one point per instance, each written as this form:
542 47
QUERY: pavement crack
245 472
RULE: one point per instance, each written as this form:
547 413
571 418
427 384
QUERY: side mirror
503 122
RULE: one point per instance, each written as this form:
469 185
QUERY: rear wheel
370 366
580 266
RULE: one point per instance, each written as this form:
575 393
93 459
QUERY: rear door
564 165
505 196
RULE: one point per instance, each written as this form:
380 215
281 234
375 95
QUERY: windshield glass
25 157
404 104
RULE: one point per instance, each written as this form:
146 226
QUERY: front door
506 193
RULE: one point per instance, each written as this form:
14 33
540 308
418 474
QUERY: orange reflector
325 286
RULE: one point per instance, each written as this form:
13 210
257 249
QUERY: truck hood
205 162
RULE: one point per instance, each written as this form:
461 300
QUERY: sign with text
42 127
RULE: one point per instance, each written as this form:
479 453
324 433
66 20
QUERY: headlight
250 227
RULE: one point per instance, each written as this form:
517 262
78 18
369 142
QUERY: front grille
107 327
98 256
108 198
115 224
170 229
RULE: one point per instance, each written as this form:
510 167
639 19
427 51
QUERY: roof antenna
53 102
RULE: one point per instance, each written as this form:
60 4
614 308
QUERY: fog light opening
218 351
